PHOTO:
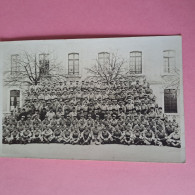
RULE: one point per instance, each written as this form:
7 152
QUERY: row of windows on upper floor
135 61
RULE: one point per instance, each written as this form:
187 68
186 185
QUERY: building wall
152 57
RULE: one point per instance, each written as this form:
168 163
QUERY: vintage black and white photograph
115 99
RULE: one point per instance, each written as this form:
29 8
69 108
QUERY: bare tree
111 70
31 69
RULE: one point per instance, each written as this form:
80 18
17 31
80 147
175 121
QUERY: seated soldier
37 135
6 135
95 133
161 136
25 136
137 137
15 137
58 138
148 136
105 136
48 134
46 121
75 137
169 129
66 136
85 137
128 137
174 138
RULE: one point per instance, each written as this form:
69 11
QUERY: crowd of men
90 112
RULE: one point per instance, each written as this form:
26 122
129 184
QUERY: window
170 100
73 64
14 99
136 62
15 67
103 58
169 60
44 63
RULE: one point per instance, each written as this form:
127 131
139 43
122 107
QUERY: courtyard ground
96 152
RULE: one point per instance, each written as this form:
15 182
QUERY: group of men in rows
91 113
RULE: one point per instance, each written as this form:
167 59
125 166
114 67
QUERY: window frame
170 106
135 68
104 58
14 65
75 66
16 98
168 68
44 63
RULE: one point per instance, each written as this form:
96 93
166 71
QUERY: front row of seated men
98 133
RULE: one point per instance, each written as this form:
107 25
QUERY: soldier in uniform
85 137
114 121
148 136
48 134
117 135
21 123
127 137
105 136
161 137
6 135
50 114
37 136
25 136
95 133
46 121
75 136
66 136
15 137
174 138
58 138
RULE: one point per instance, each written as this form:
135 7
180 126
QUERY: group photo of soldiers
90 113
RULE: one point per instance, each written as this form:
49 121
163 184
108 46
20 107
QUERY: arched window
169 61
135 62
73 63
14 99
103 58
